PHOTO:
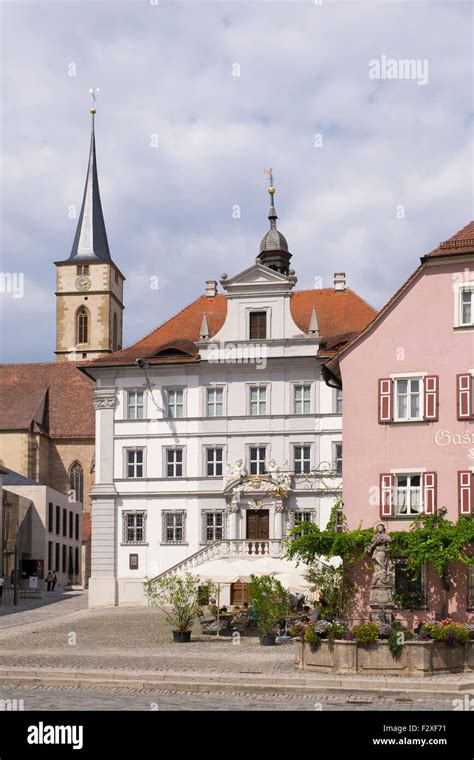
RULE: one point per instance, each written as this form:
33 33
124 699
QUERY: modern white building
43 528
217 431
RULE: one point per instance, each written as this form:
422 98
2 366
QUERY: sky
196 100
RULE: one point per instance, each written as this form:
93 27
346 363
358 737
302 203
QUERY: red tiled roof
461 242
338 313
67 411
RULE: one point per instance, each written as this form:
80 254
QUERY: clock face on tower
83 283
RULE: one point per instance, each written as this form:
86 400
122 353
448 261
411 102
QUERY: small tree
269 600
178 598
336 589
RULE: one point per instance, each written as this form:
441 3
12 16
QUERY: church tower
89 286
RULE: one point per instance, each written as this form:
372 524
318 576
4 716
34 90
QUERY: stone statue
279 475
236 471
383 579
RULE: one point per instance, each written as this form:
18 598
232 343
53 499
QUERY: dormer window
258 325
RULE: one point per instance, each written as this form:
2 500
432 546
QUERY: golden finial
93 92
269 174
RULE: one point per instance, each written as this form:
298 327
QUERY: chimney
211 288
339 280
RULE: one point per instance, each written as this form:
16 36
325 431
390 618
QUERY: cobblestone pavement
69 635
58 604
78 698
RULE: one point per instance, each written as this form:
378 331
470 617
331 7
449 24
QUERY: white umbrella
233 570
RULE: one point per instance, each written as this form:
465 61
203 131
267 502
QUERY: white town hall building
212 431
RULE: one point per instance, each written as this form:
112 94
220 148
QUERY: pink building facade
408 418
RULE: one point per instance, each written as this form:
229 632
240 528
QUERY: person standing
49 581
55 580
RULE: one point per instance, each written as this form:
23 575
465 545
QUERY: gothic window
76 481
82 325
33 459
114 333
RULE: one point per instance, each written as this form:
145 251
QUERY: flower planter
417 658
182 637
268 640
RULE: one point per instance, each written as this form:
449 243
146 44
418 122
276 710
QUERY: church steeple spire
90 241
274 252
89 285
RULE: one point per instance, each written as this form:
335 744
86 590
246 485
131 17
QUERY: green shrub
311 637
337 631
296 630
396 640
449 633
177 596
366 633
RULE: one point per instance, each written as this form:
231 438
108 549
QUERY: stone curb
279 686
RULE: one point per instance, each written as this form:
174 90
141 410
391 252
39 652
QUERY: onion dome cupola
274 252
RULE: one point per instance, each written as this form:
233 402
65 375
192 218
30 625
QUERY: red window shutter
387 481
465 492
431 397
464 396
385 400
430 496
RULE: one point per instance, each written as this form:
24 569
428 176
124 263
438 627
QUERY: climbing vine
431 540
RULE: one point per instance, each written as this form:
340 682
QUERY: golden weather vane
92 92
269 174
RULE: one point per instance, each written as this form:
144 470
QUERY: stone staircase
224 549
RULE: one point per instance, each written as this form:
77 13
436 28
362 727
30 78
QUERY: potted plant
269 602
178 598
